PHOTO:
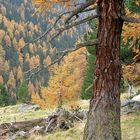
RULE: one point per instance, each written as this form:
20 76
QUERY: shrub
23 93
4 96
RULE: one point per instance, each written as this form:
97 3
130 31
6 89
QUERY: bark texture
104 114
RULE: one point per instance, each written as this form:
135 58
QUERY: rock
11 136
22 134
127 102
130 106
136 106
136 98
28 107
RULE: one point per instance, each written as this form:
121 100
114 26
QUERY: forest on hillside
57 54
19 27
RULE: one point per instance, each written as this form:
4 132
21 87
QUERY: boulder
127 102
136 98
130 106
28 107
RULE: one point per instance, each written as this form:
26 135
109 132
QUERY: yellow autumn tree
19 73
11 81
7 40
1 80
47 61
31 48
21 43
131 36
2 54
6 66
31 88
65 81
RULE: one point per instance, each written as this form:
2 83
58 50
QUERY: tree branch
38 68
68 26
130 19
47 32
80 9
62 29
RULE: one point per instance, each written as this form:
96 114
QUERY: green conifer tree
4 96
87 87
23 93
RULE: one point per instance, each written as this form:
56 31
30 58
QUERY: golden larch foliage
7 40
11 81
131 72
19 73
131 35
2 54
47 61
6 66
65 81
1 79
46 5
31 87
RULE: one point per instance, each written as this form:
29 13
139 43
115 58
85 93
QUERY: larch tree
2 54
103 121
11 81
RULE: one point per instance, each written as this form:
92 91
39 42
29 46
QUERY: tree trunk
104 114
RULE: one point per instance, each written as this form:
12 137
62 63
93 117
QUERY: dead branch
19 125
60 119
130 19
69 26
78 119
89 87
49 30
62 28
59 29
80 9
38 68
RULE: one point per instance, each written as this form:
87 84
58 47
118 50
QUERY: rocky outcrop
28 107
131 105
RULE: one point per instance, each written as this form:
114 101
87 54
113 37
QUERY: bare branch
89 87
130 19
68 26
26 72
80 9
45 33
81 45
38 68
55 23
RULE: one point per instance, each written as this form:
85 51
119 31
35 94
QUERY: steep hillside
20 25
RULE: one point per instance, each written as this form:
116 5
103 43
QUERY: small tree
4 96
23 93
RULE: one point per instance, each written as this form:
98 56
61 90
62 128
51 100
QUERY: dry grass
130 130
131 127
130 124
10 113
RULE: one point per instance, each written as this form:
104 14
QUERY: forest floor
130 123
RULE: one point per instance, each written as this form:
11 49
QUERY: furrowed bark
104 114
